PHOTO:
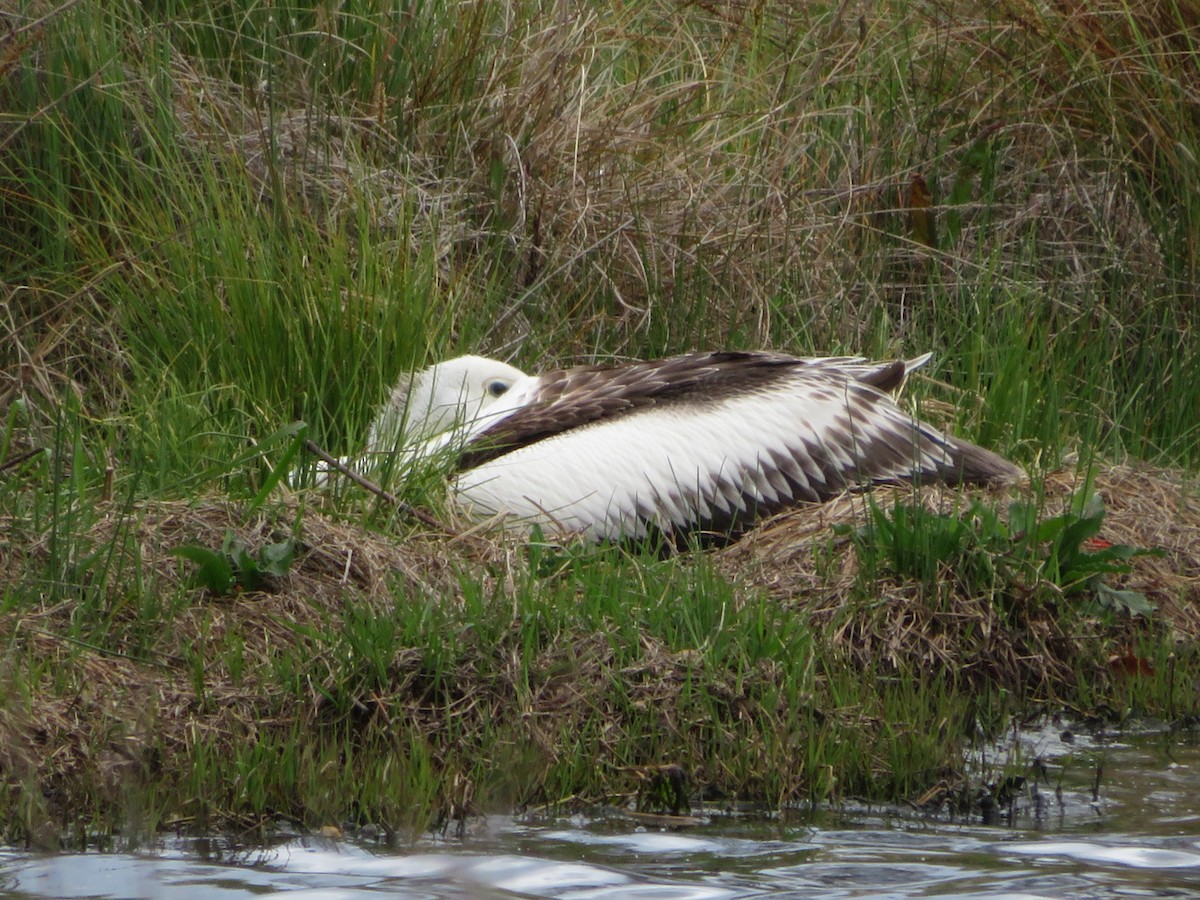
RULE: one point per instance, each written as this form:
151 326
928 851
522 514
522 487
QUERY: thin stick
371 487
20 458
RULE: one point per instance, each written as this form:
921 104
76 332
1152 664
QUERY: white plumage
699 442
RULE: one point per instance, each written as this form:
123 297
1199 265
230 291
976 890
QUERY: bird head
445 396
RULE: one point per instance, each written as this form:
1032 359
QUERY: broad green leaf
213 569
276 559
1132 602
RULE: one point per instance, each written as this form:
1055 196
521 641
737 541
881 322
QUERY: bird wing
571 398
711 460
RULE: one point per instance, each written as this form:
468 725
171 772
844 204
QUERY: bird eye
497 388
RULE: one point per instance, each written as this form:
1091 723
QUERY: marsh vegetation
221 220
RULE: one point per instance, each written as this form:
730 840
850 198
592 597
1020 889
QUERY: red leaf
1129 663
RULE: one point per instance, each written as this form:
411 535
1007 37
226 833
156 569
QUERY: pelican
706 442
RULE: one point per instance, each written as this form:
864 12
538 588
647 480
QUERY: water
1140 836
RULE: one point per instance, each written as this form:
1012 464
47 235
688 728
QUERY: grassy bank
222 220
418 679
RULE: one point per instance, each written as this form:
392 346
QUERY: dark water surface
1139 837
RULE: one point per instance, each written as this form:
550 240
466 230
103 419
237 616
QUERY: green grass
220 220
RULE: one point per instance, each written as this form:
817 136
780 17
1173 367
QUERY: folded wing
707 441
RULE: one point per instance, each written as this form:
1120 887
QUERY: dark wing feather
569 398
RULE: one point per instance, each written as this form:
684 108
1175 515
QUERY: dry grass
135 716
602 165
591 182
1144 507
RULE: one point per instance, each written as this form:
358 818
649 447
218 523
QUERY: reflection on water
1139 836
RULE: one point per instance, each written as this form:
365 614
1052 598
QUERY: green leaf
1077 532
213 572
246 573
243 561
1048 529
1133 602
276 559
1092 507
296 432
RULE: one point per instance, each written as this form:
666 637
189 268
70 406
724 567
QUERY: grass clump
1061 553
224 220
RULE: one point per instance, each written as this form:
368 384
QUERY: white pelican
704 442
